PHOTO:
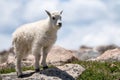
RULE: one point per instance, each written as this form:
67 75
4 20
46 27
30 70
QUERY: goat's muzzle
59 24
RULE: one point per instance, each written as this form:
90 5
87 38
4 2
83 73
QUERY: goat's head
55 18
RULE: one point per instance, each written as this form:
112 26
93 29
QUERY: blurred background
85 22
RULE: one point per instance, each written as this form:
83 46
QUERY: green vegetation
9 70
94 70
99 70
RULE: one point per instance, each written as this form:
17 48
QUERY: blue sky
85 22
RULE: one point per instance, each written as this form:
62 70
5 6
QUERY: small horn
48 13
61 12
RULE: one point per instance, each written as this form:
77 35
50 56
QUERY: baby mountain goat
36 38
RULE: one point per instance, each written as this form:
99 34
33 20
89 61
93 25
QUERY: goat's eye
53 18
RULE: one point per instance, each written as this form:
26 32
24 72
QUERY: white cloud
94 35
5 41
84 10
101 16
7 11
36 8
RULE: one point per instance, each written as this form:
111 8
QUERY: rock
9 64
104 48
7 59
4 56
110 55
59 55
65 72
86 53
0 77
56 56
73 69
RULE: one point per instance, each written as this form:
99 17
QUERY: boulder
4 56
104 48
59 55
56 56
0 77
65 72
110 55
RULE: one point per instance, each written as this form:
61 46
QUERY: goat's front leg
37 55
44 56
37 59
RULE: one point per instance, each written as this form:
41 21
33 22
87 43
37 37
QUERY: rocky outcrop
86 53
104 48
0 77
109 55
65 72
57 56
10 63
4 56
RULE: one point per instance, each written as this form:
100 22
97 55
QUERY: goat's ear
61 12
48 13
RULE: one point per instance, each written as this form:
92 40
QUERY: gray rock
86 54
66 72
0 77
4 56
104 48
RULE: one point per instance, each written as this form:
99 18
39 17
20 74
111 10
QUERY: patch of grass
99 70
9 70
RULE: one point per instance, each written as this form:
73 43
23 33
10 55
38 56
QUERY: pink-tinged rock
110 55
4 56
56 56
59 55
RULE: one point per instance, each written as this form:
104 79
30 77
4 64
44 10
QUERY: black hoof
46 67
37 70
20 76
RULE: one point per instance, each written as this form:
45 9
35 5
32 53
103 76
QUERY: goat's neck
49 22
51 29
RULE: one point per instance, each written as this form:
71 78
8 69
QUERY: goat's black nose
60 24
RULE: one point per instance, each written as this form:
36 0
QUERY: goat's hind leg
18 66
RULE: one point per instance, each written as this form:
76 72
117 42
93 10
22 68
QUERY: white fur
35 38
